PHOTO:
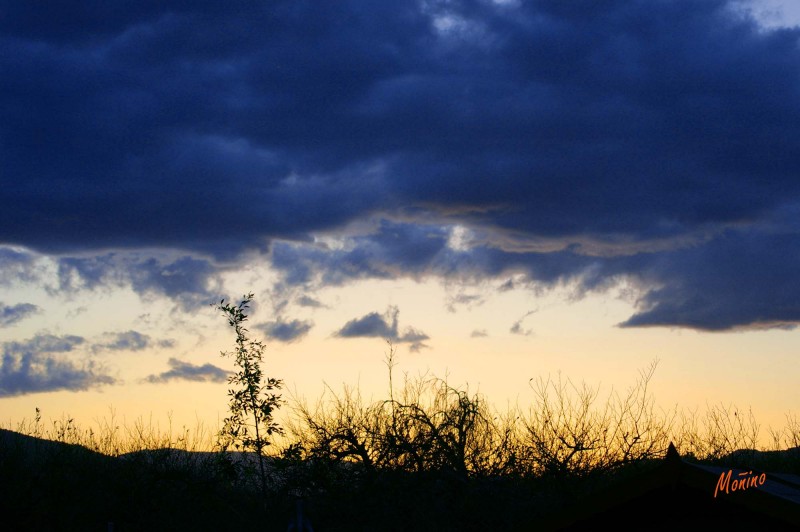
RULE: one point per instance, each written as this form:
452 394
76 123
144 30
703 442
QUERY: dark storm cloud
374 325
154 129
286 331
645 128
185 371
736 279
11 314
38 365
740 280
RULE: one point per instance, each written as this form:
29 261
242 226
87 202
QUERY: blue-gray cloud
286 330
124 341
517 328
628 139
308 301
418 251
129 341
467 300
39 365
374 325
180 370
392 250
45 343
189 281
414 337
16 266
11 314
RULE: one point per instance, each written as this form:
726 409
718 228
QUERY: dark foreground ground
55 486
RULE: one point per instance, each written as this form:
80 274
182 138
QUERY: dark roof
678 494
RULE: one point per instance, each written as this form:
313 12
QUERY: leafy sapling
253 400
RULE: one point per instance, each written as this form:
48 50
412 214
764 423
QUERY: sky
505 190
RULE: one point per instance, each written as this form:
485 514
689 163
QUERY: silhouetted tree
253 400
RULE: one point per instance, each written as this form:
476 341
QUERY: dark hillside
47 485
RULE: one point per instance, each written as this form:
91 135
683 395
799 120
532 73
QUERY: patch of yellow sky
577 337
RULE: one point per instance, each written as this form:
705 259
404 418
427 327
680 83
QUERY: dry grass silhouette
429 449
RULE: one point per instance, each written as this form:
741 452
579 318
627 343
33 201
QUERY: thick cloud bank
650 140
